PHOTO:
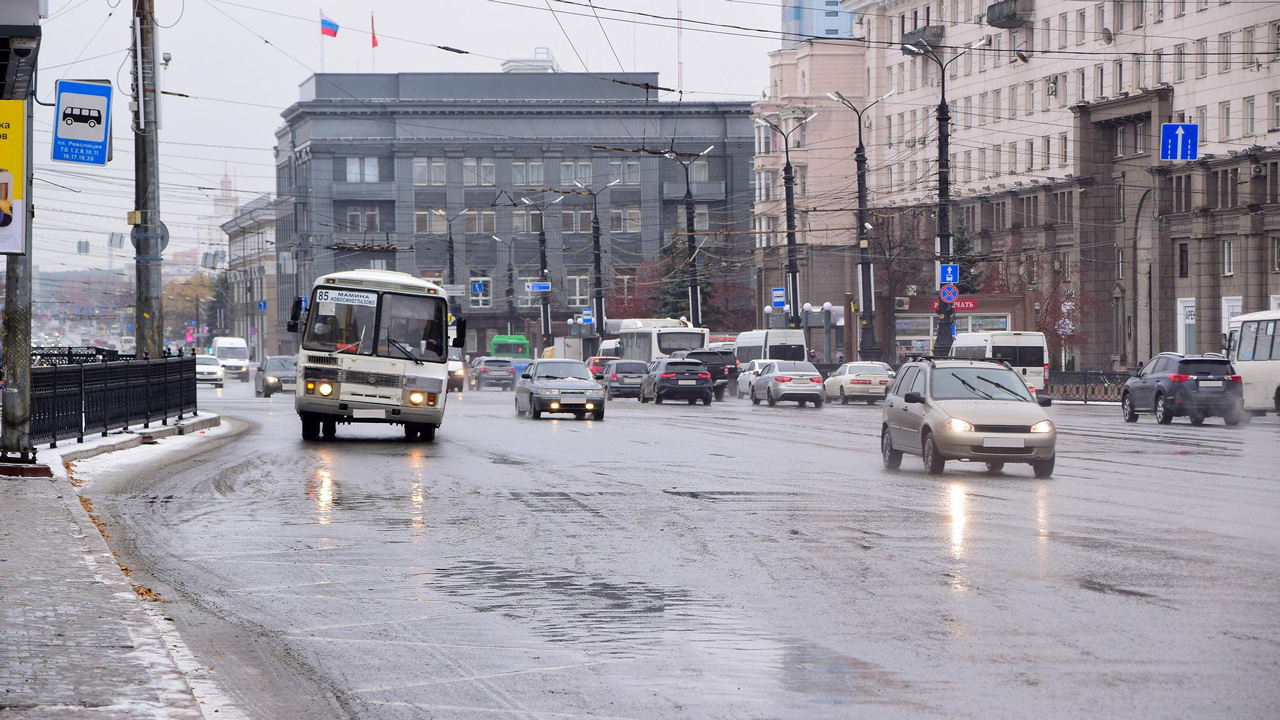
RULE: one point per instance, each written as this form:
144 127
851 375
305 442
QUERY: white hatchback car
865 381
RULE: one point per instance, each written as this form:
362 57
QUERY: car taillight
884 382
668 375
1235 378
511 371
483 370
613 376
1179 378
817 380
704 375
855 381
737 363
782 379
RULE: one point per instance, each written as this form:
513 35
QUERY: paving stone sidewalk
75 641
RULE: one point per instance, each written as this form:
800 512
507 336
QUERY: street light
595 249
543 276
686 161
867 347
788 183
449 241
946 312
511 282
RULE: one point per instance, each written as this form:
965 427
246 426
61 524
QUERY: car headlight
1043 426
273 379
959 425
548 391
459 372
416 398
325 389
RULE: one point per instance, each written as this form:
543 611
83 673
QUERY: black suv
1197 386
722 364
676 379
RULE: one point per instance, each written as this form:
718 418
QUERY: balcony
363 191
1010 14
702 191
931 35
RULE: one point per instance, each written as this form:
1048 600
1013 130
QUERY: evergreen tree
962 252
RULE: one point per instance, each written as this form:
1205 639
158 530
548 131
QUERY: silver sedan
786 380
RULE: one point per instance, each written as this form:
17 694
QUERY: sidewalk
75 640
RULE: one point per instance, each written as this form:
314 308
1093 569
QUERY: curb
133 439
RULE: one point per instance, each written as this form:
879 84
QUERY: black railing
68 401
1086 385
43 356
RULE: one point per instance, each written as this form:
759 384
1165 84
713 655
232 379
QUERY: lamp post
543 274
511 282
867 347
788 184
946 312
450 278
595 251
686 161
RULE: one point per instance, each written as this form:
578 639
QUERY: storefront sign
963 304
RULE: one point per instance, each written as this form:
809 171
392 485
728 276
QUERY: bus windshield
342 321
669 342
511 349
413 323
391 325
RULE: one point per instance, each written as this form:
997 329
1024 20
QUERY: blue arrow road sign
779 297
1179 141
477 288
83 128
262 306
948 274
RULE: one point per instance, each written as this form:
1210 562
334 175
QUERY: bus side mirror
460 334
295 314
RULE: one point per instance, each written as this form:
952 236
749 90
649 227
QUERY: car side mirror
1044 400
526 376
295 311
460 334
1133 373
913 397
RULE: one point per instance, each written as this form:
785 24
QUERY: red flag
373 35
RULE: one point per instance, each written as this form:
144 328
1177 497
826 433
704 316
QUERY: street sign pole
15 434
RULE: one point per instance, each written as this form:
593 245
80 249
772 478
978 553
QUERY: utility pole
543 274
149 234
598 280
686 161
868 350
788 184
15 432
511 288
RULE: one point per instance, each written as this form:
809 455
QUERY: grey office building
378 171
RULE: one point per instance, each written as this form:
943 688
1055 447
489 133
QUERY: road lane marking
508 673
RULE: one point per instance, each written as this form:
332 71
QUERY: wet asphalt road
712 562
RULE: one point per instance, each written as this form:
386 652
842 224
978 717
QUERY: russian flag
328 27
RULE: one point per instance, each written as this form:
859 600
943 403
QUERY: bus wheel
310 427
427 433
330 429
410 431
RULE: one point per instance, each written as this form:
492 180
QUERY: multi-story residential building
251 276
1054 156
802 19
381 170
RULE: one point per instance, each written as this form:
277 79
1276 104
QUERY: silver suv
968 410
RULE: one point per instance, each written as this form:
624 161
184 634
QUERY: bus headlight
325 389
417 398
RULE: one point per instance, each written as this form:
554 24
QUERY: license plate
1002 442
688 382
571 401
368 414
1211 383
629 381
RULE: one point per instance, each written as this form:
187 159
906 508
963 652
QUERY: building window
625 171
1157 66
1250 116
1275 111
1117 14
1117 73
1119 263
484 298
996 161
1224 52
1179 63
1099 17
526 220
577 289
1099 81
1224 121
429 171
1202 57
1122 140
1182 193
999 215
1179 8
997 103
1184 260
362 169
700 172
1275 254
428 221
624 219
1030 160
1228 257
362 218
479 171
983 109
575 170
1228 188
1080 30
1062 149
527 174
1030 104
1064 207
1250 47
1046 150
1202 119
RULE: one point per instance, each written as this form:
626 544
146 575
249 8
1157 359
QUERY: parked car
559 386
276 374
596 364
487 370
676 379
747 374
622 378
209 370
969 410
787 380
457 370
722 365
1196 386
865 381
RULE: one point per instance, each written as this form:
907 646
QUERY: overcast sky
241 61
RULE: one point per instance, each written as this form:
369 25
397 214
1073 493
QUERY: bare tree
903 260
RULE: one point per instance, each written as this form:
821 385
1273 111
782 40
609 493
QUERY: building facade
1054 156
251 277
389 171
803 19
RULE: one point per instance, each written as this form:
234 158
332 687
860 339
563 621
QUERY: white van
770 345
1026 352
233 353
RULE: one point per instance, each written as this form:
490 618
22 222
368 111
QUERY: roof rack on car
1002 361
923 358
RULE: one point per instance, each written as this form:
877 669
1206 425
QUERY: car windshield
1205 367
979 383
279 364
635 368
455 354
867 369
669 342
794 367
206 360
563 371
232 353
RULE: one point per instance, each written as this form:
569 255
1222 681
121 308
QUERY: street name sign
1179 141
538 286
82 127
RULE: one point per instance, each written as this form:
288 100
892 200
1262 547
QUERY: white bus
373 351
1253 347
649 339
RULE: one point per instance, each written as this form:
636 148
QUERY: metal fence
42 356
1086 385
70 401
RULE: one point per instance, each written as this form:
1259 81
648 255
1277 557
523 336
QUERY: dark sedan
676 379
276 374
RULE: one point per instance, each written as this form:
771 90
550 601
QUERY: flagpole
373 44
322 42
